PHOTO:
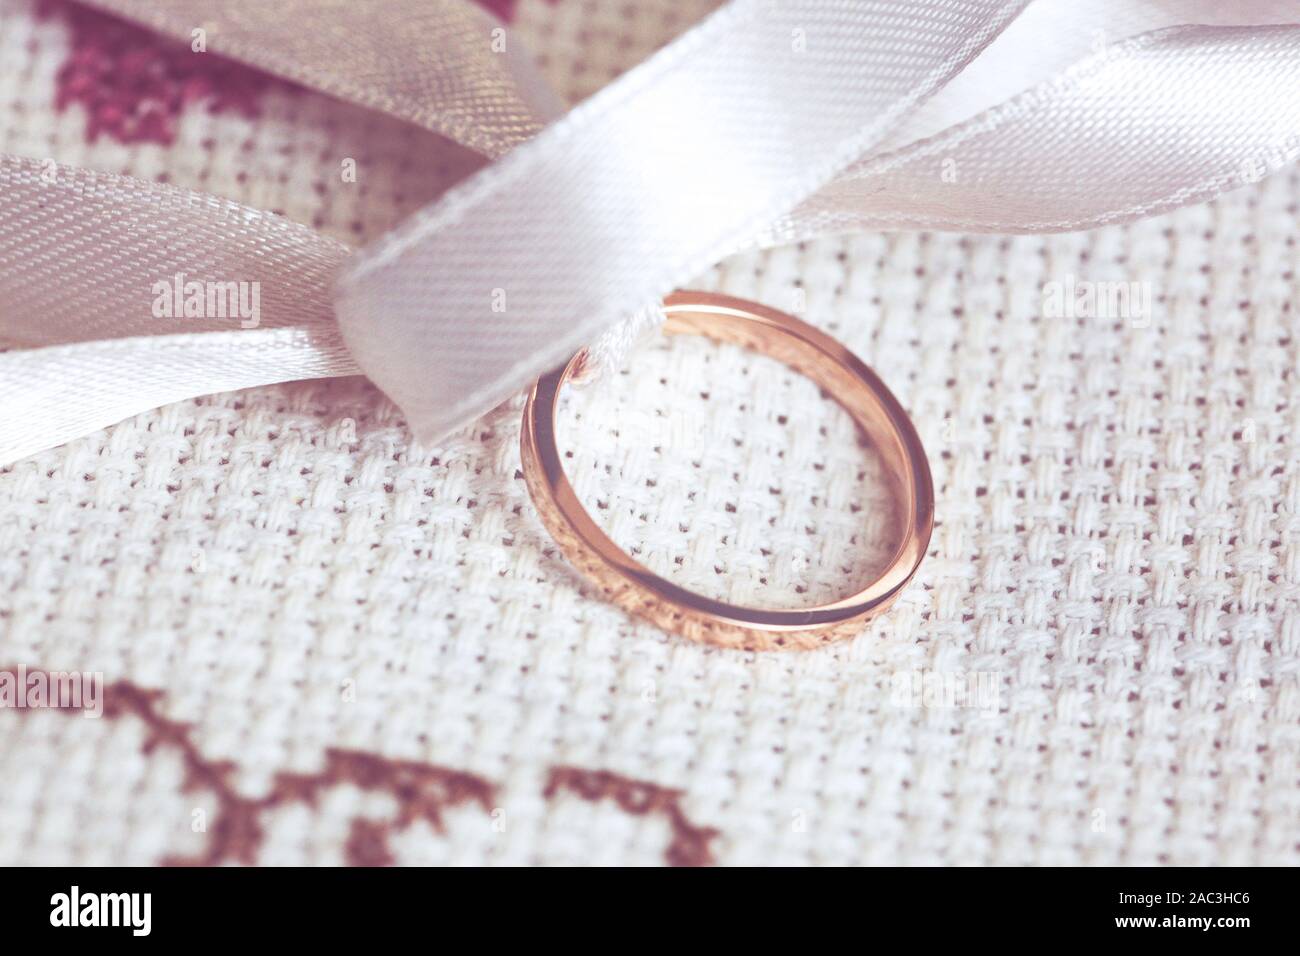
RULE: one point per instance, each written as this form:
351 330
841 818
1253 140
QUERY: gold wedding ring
626 582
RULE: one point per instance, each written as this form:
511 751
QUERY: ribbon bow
770 121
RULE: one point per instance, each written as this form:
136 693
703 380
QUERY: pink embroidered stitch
134 85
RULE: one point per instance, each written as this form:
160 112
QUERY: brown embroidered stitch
423 791
690 845
235 833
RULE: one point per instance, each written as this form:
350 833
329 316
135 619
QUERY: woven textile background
327 644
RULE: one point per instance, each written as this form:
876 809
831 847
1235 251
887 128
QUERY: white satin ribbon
770 121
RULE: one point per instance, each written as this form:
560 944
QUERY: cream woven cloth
327 644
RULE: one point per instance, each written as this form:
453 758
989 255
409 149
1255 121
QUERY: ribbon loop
771 121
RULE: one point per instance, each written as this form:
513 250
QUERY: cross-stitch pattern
1097 663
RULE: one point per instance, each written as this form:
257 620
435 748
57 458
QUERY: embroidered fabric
1098 664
